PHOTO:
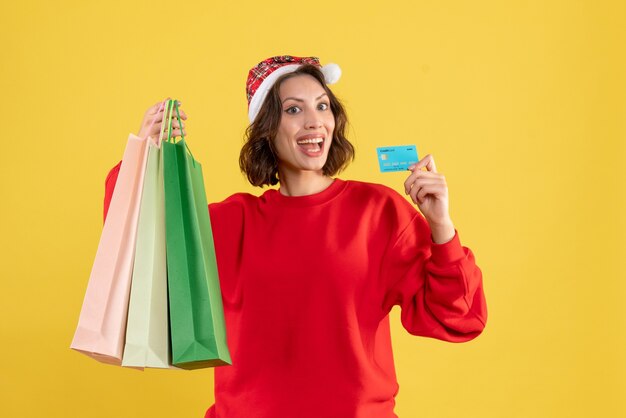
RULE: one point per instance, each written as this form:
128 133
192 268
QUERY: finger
419 174
415 189
419 193
178 102
428 161
421 163
426 182
183 115
413 194
156 129
410 180
164 102
416 171
175 126
175 133
174 113
436 190
178 132
420 184
154 109
175 123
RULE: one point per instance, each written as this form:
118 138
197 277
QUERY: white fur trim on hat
332 73
266 85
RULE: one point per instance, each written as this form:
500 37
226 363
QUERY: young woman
309 272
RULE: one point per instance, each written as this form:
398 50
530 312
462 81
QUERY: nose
314 121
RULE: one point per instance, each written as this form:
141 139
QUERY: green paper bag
197 326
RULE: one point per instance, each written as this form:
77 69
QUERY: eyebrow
300 100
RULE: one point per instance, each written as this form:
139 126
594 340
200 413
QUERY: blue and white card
396 158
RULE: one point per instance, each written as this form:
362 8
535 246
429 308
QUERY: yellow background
522 103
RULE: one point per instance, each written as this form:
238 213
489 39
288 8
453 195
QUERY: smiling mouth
312 145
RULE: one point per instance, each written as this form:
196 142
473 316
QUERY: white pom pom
331 72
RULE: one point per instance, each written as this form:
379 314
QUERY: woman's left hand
429 191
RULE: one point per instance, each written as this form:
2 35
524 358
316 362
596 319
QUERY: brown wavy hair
257 159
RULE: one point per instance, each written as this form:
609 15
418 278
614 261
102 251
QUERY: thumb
154 109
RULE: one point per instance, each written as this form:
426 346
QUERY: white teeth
310 141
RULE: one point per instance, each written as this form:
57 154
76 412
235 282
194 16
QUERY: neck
302 183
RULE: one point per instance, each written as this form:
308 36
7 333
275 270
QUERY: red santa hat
262 77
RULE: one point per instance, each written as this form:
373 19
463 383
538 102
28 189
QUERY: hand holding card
429 191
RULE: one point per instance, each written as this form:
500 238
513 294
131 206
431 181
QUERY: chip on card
396 158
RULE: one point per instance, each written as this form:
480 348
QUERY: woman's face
306 125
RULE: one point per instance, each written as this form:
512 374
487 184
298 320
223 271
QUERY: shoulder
228 215
237 200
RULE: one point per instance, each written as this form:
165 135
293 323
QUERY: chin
313 166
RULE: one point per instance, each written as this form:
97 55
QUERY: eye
323 106
289 110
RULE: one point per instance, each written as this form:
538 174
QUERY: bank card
396 158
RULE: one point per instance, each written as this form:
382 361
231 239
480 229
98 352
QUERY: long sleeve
439 287
109 186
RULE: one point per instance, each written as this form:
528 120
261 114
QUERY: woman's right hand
154 115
